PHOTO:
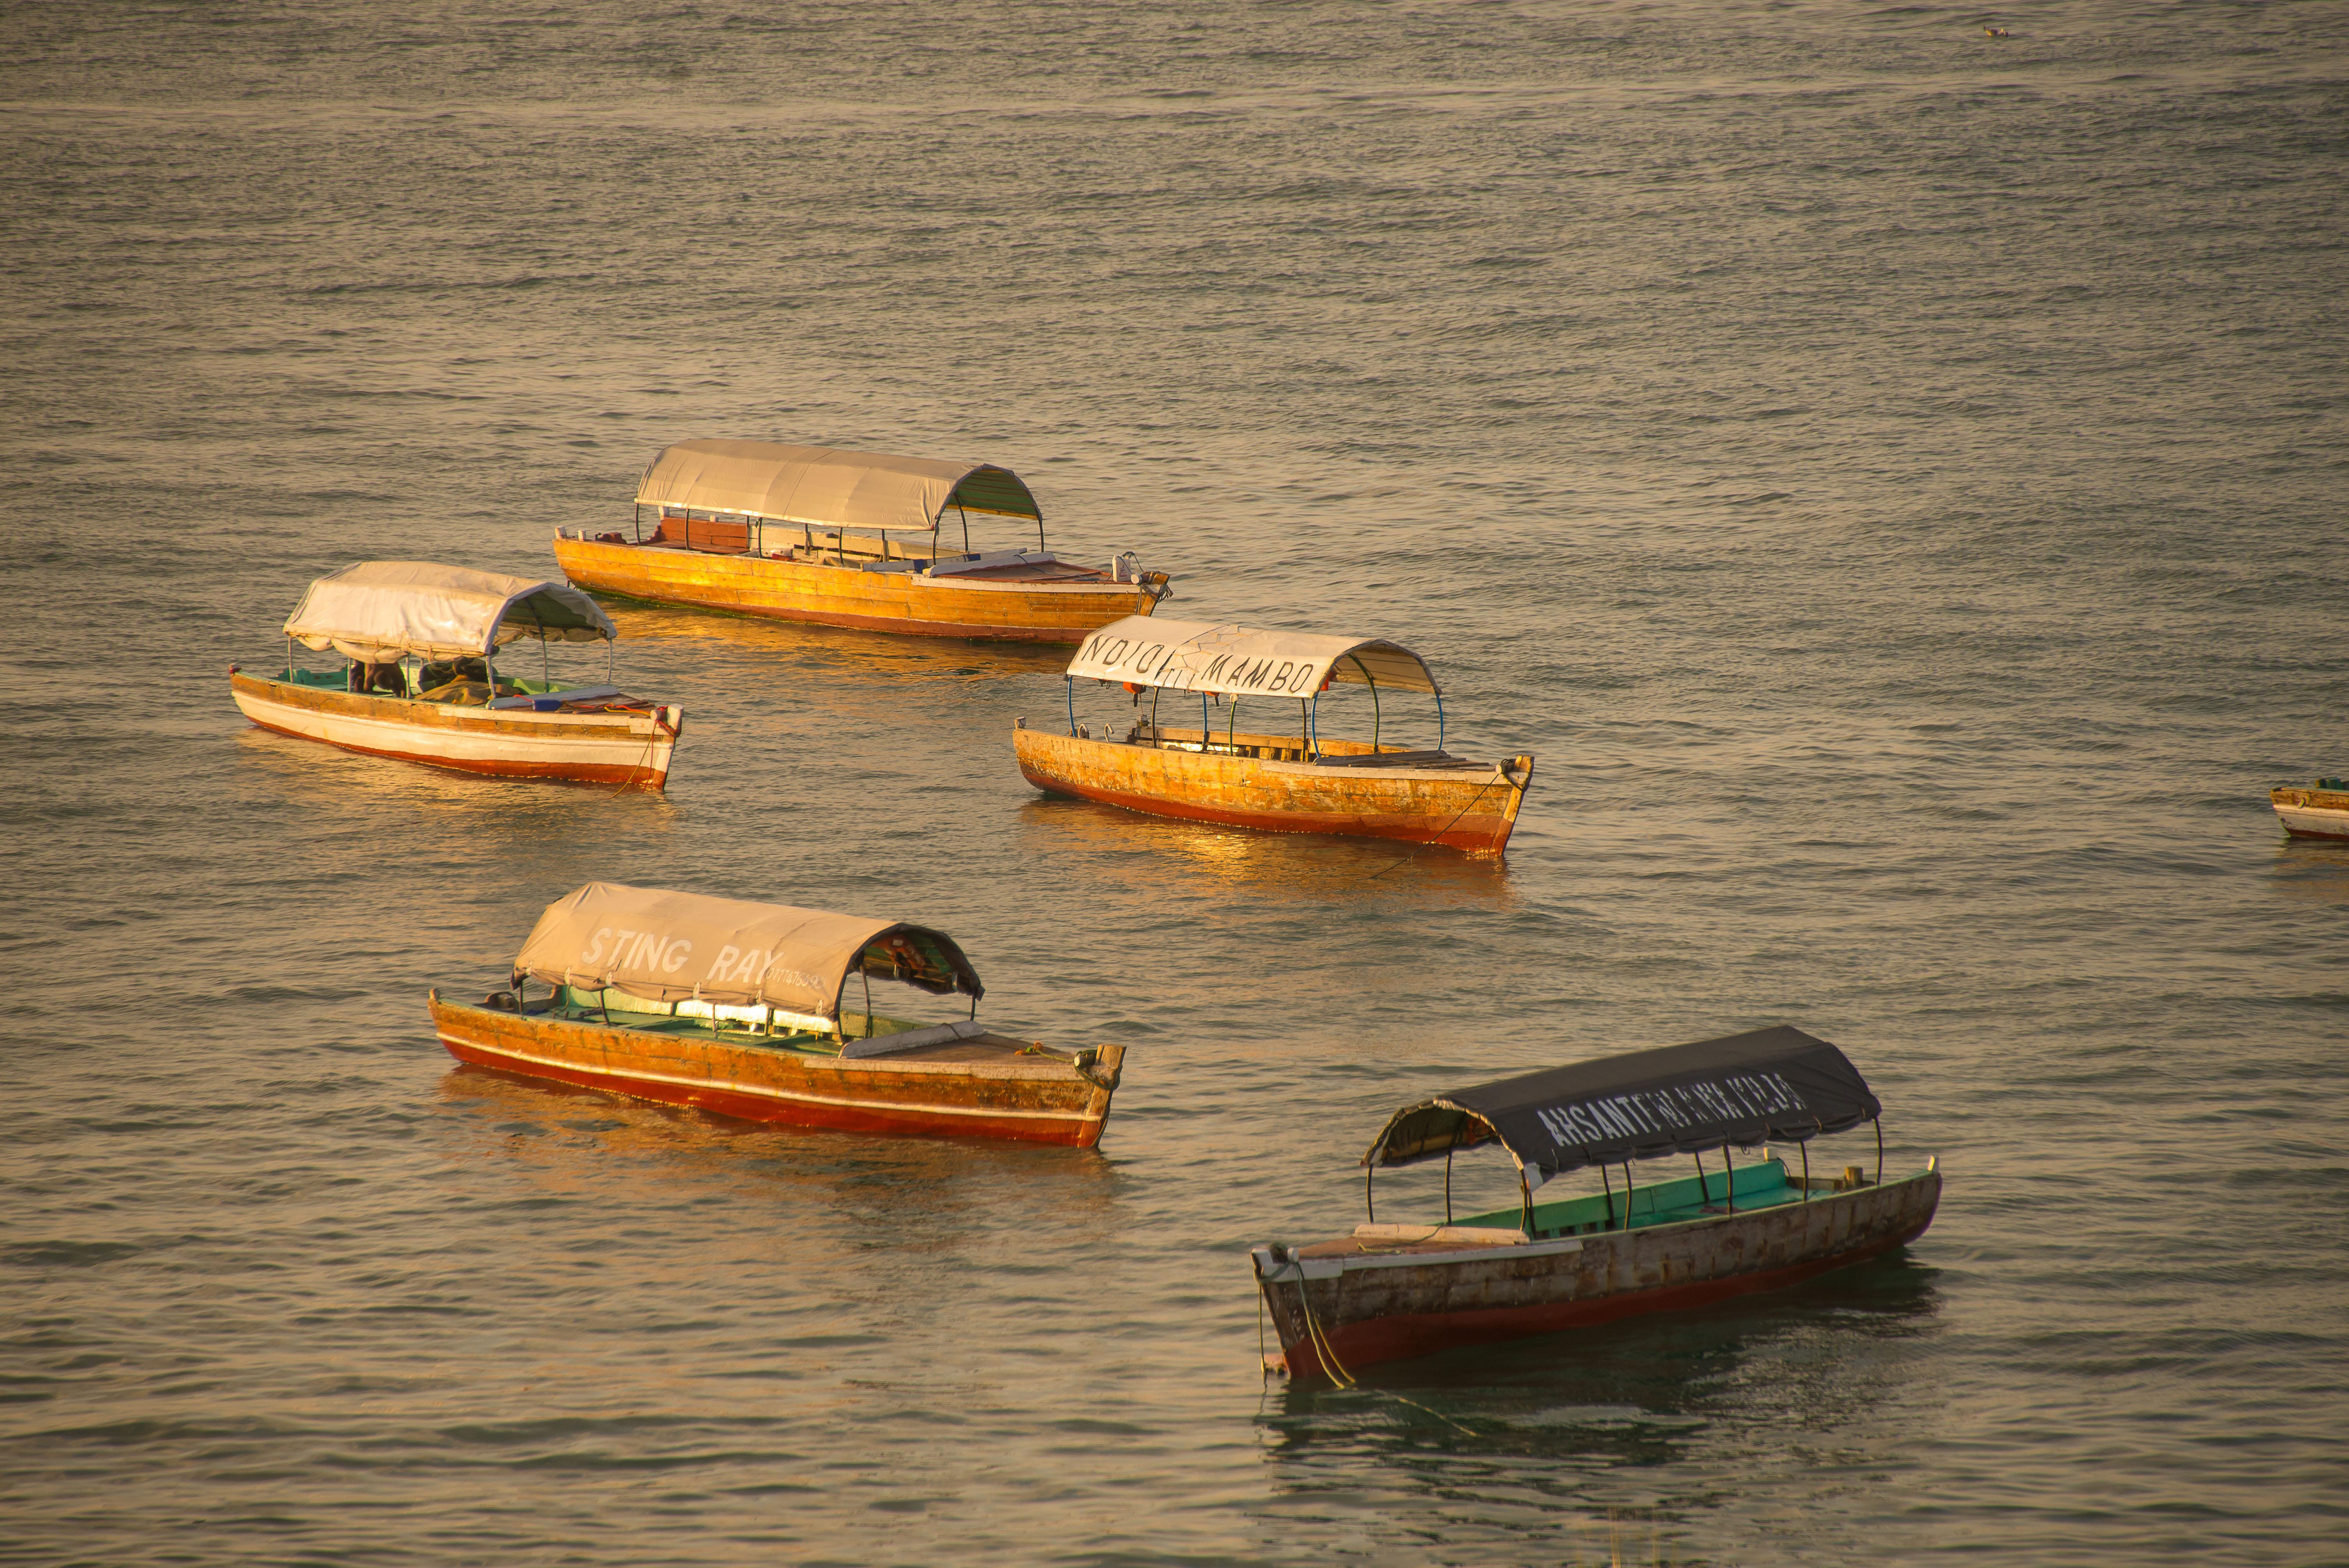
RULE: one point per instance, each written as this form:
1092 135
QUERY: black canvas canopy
1778 1084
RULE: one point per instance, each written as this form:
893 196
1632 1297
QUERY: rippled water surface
1891 477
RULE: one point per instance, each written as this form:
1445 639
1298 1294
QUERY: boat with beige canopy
849 538
1305 782
421 684
744 1008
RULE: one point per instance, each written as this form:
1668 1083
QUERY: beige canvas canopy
827 487
1199 656
380 610
671 946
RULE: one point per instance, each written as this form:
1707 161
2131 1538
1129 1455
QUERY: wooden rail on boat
609 738
1276 784
2322 812
848 539
982 1086
1382 1297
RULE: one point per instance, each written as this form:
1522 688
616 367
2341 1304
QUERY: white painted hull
2305 823
586 747
2312 813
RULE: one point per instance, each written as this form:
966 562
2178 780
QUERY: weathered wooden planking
952 606
2312 813
1278 793
617 748
1379 1306
1028 1098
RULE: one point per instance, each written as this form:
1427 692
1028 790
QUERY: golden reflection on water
314 775
2312 869
1138 852
894 656
573 1142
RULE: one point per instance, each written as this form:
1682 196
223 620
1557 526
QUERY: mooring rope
1328 1355
1431 844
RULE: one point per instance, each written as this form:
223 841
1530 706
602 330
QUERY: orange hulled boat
849 538
422 682
739 1007
1298 783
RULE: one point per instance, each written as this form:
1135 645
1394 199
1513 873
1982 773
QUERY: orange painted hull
1373 1309
1472 811
964 1090
845 596
617 749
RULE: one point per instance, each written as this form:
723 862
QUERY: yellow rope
1343 1378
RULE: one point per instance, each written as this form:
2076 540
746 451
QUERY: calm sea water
1891 477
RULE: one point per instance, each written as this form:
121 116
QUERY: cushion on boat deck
936 1035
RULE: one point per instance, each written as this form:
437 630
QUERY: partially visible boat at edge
1389 1290
2322 812
1300 783
739 1007
849 538
423 686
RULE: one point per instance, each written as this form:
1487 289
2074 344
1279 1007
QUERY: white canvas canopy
827 487
380 610
1199 656
671 946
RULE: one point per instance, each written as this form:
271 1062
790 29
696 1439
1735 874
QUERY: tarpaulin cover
1769 1084
1201 656
674 946
826 487
380 610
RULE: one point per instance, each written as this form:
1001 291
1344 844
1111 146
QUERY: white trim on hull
597 747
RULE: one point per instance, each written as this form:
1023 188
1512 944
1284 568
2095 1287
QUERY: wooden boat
738 1008
423 684
848 539
2318 814
1394 1289
1300 783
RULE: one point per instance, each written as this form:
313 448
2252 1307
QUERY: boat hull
1472 811
901 602
1028 1099
1372 1307
617 749
2312 813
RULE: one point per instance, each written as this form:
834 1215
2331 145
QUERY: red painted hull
1397 1339
1370 1305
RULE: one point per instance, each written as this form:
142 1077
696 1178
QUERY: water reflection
330 781
2315 869
1562 1428
709 636
1136 851
847 1194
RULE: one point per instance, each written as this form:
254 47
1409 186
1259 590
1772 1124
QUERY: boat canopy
379 611
1770 1084
671 946
1202 656
826 487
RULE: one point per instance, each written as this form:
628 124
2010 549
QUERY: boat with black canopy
1392 1290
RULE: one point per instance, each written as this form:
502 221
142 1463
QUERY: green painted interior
1760 1185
